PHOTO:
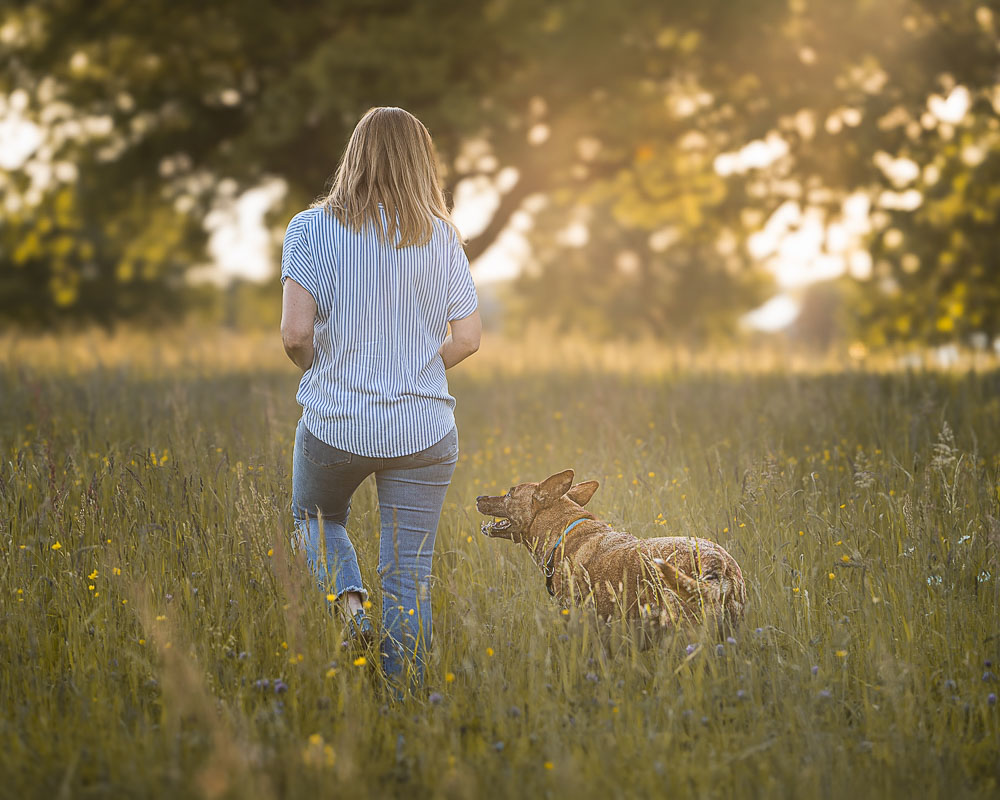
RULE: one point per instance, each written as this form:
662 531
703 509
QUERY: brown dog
671 580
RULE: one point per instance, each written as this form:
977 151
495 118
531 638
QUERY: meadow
161 639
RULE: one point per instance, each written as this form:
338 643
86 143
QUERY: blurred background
698 172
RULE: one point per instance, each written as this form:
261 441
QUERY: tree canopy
654 144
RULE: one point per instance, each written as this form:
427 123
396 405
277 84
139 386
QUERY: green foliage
613 113
862 507
938 267
935 274
74 258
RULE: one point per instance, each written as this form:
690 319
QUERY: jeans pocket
320 454
442 451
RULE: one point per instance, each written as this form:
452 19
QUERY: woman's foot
360 631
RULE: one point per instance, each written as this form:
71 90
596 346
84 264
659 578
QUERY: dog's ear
553 487
582 492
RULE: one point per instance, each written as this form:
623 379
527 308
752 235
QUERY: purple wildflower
815 669
435 698
280 686
691 648
991 698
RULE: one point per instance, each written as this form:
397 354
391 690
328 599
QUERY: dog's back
671 579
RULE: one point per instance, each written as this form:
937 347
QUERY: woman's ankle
354 601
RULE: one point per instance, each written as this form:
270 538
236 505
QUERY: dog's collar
550 567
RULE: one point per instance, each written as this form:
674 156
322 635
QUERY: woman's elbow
467 332
295 338
469 344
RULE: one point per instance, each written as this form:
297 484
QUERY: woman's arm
463 340
298 313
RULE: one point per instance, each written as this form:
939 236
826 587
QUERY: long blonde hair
390 159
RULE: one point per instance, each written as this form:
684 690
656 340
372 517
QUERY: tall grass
161 638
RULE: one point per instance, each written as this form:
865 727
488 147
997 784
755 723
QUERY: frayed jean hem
359 589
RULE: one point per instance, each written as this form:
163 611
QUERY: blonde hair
390 159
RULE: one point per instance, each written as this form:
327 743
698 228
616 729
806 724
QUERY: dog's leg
681 583
666 602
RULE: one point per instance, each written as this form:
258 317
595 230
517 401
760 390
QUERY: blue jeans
411 492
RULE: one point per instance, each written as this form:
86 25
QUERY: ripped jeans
411 491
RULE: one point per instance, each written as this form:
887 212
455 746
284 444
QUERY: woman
373 275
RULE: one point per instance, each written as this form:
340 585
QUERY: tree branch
509 203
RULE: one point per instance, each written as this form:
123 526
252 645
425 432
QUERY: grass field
160 639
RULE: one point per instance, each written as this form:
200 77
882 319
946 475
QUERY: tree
669 133
153 118
848 100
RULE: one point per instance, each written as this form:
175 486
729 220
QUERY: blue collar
549 568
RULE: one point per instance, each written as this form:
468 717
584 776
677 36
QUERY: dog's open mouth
491 528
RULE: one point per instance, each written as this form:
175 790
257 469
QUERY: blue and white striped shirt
377 385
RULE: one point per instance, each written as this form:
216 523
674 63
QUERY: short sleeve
462 299
296 260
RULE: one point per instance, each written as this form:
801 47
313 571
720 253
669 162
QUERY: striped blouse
377 384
